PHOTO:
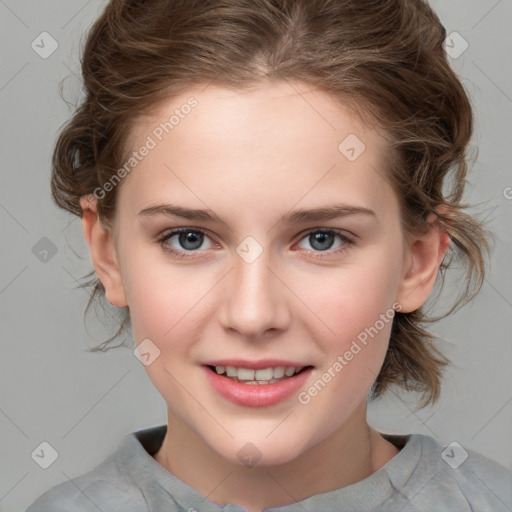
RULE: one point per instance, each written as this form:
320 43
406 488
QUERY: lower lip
256 395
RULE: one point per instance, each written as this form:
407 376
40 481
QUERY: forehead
277 142
292 111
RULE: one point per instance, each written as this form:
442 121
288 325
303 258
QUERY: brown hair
383 57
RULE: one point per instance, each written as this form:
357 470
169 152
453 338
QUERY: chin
261 452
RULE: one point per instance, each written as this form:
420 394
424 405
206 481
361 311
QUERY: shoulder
105 487
452 477
82 495
123 482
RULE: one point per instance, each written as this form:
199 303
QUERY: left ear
424 255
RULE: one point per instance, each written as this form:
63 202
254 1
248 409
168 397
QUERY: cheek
352 298
359 313
165 300
167 307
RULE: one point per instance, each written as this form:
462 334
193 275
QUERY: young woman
271 188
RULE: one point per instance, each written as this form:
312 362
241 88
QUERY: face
250 280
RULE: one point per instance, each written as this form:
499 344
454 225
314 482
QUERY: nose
256 300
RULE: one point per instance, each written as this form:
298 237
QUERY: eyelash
347 242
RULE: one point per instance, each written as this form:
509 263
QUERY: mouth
263 376
256 382
262 387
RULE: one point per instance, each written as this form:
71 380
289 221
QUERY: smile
263 376
256 388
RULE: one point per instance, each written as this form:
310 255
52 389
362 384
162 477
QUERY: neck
348 455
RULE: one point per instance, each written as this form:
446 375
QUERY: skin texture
250 158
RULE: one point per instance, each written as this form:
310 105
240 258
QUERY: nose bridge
255 302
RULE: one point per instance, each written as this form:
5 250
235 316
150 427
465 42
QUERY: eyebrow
294 217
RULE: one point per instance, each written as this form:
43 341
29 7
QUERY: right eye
186 240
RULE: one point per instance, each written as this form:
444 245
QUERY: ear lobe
425 255
103 252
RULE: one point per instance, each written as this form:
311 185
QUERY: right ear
103 252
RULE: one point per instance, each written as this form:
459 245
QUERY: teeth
231 371
278 372
245 374
266 374
263 376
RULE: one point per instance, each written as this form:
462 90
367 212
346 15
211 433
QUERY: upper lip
255 365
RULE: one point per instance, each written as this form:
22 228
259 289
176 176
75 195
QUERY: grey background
83 403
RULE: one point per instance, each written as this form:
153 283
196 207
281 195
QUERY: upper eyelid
174 231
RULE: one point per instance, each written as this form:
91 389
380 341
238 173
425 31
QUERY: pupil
322 241
190 240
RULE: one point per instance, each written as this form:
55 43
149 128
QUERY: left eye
323 240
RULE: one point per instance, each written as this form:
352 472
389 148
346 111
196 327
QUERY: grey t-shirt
423 476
